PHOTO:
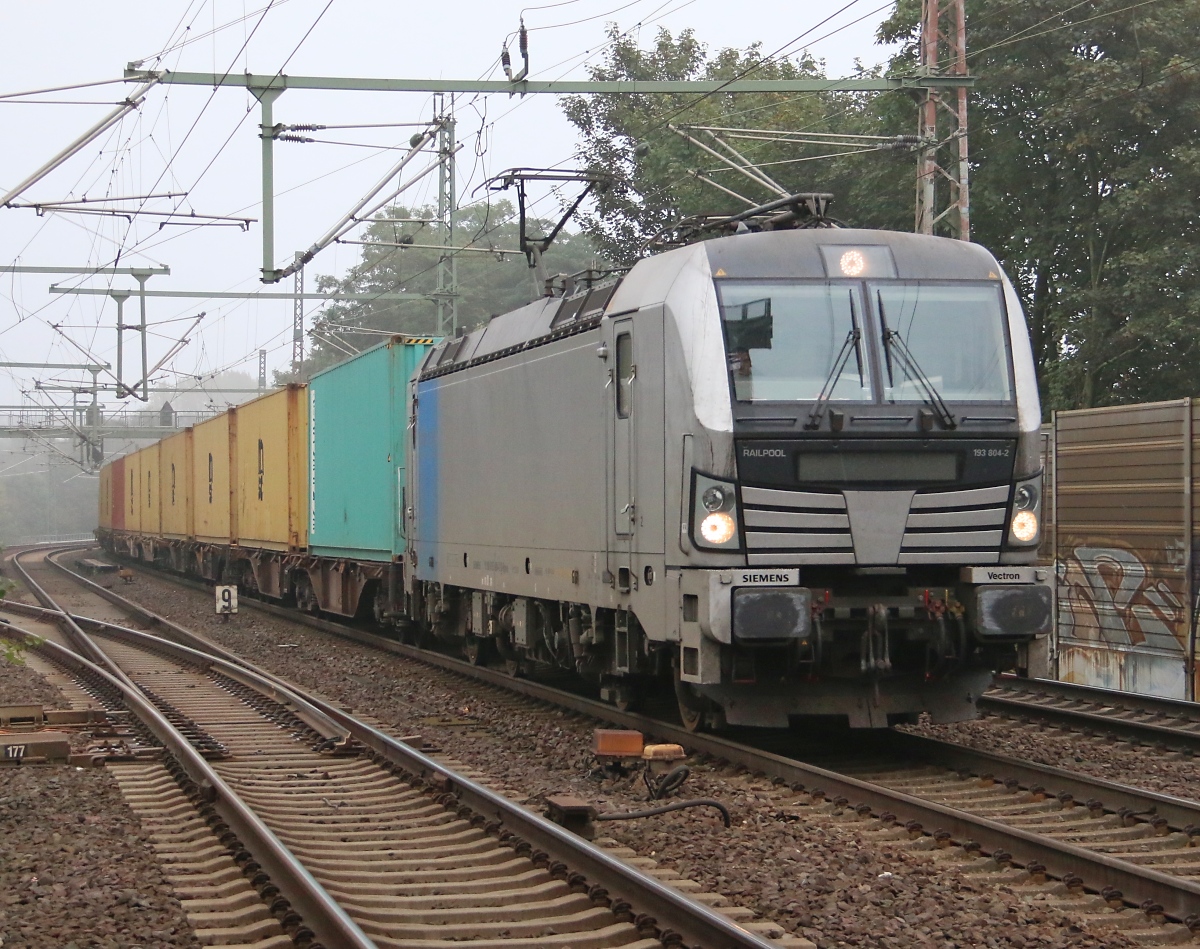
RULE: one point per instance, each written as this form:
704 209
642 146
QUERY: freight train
784 474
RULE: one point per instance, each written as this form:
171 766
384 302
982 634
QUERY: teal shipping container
357 431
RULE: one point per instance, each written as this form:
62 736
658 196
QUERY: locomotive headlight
1024 526
1026 514
852 263
710 515
718 528
1026 498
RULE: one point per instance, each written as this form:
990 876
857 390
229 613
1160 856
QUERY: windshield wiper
908 363
853 342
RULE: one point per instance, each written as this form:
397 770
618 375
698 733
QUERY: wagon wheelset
478 650
695 711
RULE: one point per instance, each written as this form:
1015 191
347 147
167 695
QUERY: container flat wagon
295 496
357 450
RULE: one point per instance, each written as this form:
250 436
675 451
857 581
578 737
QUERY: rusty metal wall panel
1123 522
1127 670
271 471
210 480
175 462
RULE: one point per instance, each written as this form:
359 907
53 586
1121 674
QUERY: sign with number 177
226 599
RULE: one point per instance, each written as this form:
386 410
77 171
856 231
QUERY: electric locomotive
794 472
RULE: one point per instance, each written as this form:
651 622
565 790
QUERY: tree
654 169
1084 171
488 284
1085 175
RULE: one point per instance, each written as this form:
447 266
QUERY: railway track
1148 719
284 820
1130 847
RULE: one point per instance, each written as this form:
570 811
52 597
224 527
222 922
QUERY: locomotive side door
623 406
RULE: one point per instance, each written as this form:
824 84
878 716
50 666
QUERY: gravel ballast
833 878
76 870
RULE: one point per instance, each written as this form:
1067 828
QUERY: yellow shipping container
214 519
134 493
106 497
272 471
151 490
175 454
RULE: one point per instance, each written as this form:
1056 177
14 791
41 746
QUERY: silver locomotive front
860 496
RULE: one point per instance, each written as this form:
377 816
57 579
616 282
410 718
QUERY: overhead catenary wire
159 243
143 209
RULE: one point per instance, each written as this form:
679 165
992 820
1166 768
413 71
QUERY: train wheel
627 698
306 597
379 608
513 667
476 650
406 632
693 709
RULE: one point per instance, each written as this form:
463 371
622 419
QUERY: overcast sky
190 139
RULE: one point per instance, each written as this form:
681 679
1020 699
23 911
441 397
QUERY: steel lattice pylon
446 294
942 125
298 321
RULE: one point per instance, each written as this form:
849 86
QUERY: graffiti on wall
1109 594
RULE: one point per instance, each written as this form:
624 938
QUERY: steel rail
673 912
75 635
1178 896
1114 698
321 914
1177 811
272 688
1177 735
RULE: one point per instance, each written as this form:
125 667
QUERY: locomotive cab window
626 372
956 335
786 341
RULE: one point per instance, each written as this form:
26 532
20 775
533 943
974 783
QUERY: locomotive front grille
796 527
811 527
956 526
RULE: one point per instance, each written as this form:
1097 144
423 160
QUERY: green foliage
1085 171
655 183
12 651
1085 174
488 284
